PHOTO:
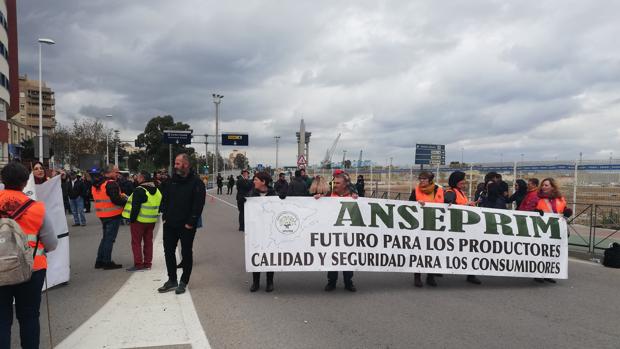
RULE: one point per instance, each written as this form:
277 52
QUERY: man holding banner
341 185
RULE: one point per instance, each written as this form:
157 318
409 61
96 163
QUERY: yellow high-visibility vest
149 210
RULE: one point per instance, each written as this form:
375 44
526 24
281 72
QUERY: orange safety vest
545 205
435 196
104 207
461 199
334 195
30 221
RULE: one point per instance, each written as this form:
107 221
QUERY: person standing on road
551 201
426 191
281 185
27 295
220 183
360 186
341 188
38 172
142 210
244 186
109 203
181 206
530 201
455 195
88 184
230 185
76 199
298 186
262 181
319 186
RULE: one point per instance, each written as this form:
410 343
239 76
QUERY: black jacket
139 197
112 189
244 187
231 181
183 200
270 192
76 189
297 187
281 186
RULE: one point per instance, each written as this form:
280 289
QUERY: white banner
58 261
306 234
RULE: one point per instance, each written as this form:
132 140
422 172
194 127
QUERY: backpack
16 255
611 258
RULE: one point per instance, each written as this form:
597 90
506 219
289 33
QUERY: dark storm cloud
490 77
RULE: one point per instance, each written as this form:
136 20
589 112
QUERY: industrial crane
326 163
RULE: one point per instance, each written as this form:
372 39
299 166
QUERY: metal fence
587 182
592 227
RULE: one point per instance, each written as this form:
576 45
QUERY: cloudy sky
490 79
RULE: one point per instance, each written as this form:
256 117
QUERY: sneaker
430 280
269 287
135 268
417 281
539 280
75 225
255 286
350 287
168 286
99 265
181 288
552 281
111 266
330 287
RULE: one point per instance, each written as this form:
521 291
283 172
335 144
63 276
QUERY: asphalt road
386 312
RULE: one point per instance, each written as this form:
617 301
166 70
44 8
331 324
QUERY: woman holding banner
426 191
262 181
455 195
551 201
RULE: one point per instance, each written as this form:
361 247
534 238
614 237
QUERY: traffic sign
177 137
301 161
235 139
430 154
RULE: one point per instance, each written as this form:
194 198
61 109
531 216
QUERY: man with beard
182 203
244 186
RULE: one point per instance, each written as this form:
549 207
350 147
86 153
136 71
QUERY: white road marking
224 201
577 260
138 316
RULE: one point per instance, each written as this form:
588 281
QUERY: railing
591 226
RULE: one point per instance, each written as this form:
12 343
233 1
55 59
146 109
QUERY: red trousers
142 232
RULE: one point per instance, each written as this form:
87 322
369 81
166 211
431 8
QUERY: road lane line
138 316
224 201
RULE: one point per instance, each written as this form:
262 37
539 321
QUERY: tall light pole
47 42
217 99
107 141
116 147
277 138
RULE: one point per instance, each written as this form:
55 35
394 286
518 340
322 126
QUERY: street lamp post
116 147
217 99
277 138
47 42
107 141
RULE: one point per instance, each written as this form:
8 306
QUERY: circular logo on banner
287 223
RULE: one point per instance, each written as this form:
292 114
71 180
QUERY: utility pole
217 99
277 138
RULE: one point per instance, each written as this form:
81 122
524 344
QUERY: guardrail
592 226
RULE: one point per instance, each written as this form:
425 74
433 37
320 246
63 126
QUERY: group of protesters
534 195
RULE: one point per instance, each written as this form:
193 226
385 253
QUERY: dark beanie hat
455 178
146 175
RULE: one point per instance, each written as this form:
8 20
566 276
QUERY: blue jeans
110 230
77 208
27 297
